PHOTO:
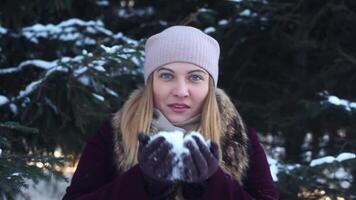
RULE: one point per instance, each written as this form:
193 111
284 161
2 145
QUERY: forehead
182 67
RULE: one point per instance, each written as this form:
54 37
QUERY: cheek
159 93
156 94
201 94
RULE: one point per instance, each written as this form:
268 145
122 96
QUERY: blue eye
166 76
195 77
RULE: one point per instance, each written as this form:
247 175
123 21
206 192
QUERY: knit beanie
182 44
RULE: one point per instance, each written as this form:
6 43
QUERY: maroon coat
96 177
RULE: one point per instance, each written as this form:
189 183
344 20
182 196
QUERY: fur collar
234 141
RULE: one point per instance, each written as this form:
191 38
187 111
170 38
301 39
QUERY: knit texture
182 44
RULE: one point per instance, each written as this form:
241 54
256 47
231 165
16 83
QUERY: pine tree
66 65
328 180
60 102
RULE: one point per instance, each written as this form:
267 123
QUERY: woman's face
179 90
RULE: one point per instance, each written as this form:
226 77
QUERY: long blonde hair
136 117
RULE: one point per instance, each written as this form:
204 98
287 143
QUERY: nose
181 89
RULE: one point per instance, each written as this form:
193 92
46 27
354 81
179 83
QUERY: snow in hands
177 140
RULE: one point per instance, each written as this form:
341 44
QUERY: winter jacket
243 174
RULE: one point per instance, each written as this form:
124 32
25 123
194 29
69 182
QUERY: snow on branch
346 104
82 32
102 2
135 12
37 63
277 167
49 66
37 83
342 102
3 100
3 30
79 66
330 159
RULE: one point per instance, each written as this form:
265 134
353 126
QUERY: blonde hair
136 117
211 124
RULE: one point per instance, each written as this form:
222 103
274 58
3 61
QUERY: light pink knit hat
182 44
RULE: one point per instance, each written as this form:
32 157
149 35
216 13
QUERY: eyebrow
193 71
197 70
163 68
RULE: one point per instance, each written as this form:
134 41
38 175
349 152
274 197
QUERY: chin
177 119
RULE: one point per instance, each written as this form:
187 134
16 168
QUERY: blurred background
289 66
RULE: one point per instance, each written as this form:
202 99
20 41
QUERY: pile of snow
177 139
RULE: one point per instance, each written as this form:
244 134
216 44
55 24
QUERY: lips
178 107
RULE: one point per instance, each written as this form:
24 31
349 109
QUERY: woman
180 93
